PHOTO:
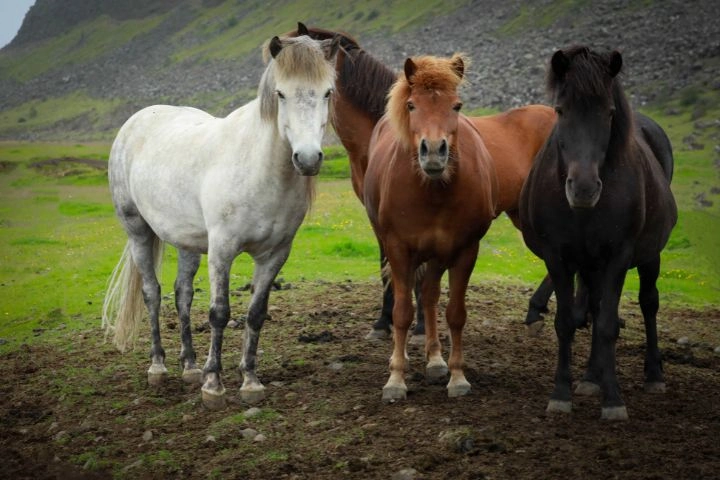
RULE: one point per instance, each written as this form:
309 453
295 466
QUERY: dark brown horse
430 191
512 139
596 203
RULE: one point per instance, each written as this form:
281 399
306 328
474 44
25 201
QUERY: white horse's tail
124 307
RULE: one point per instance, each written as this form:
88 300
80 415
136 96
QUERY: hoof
417 339
459 389
192 376
157 374
393 393
614 413
587 389
559 406
253 395
437 372
213 400
379 334
534 329
655 387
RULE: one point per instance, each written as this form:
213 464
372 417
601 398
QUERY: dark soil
73 407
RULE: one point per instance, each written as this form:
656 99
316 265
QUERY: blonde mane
302 58
433 74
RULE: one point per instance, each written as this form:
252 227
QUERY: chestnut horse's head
423 107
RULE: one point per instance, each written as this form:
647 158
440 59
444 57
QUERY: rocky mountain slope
119 56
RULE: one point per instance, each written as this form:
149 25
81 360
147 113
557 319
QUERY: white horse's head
296 91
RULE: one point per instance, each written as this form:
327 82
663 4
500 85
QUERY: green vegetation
60 238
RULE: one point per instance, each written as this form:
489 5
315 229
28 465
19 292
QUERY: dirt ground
73 407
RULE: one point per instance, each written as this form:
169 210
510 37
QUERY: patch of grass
539 17
75 209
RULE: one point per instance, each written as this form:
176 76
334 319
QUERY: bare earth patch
73 407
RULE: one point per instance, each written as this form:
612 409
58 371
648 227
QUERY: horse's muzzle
307 162
433 157
583 193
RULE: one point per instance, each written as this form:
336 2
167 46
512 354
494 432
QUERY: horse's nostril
296 157
443 148
320 156
423 147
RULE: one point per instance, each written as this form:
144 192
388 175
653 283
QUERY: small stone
405 474
336 366
147 436
252 412
210 439
248 433
277 384
259 438
53 426
60 435
683 341
717 350
187 417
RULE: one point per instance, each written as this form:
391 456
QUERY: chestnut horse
430 191
512 138
596 203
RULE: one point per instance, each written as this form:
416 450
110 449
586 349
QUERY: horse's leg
188 264
456 314
266 269
418 334
562 276
608 330
143 255
649 303
436 369
587 300
219 262
403 275
381 327
538 306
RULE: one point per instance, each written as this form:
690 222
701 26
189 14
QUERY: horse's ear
275 46
560 63
615 63
458 65
331 47
302 29
410 69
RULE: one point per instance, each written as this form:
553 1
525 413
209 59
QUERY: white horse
220 186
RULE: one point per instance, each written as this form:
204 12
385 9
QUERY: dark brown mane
362 79
588 77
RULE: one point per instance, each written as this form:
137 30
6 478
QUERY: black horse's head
592 118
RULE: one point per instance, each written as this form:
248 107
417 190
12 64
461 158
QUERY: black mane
588 76
363 80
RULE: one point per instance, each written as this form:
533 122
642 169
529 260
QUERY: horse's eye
410 106
328 93
280 94
457 106
558 110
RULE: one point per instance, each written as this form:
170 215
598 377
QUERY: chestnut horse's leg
436 369
188 264
403 276
456 314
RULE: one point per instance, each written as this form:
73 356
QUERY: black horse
597 202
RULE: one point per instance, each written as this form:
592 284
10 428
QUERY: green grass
60 240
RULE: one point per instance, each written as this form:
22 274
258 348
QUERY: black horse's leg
562 275
188 264
538 306
419 331
587 302
266 269
649 303
381 327
607 332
